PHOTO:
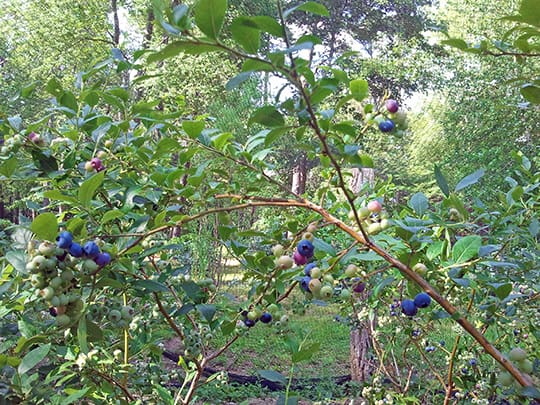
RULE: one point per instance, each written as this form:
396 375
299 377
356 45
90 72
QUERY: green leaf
379 287
82 334
18 260
54 87
272 375
419 203
269 25
112 215
502 290
441 181
251 65
57 195
8 167
207 310
192 290
164 394
193 128
466 248
359 89
306 353
321 245
309 6
209 15
456 43
33 357
89 187
150 285
530 11
534 227
246 33
531 93
74 396
238 80
470 179
46 164
15 122
45 226
23 343
68 100
267 116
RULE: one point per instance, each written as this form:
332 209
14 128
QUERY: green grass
263 347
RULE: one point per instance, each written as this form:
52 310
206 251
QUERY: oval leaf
45 226
209 15
466 248
33 357
470 179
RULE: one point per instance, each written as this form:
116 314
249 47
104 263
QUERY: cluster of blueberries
410 307
89 249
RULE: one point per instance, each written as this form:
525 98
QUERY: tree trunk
299 178
359 356
360 177
116 22
360 336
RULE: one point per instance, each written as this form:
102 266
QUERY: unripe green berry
56 282
37 281
47 293
114 316
89 266
345 294
315 285
285 262
525 366
351 270
118 354
374 228
328 279
315 272
47 248
63 320
420 268
505 378
67 275
277 250
364 212
308 236
127 312
326 292
517 354
55 301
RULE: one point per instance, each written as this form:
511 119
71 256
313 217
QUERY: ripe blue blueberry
473 362
304 283
266 317
408 308
103 259
387 125
64 240
76 250
249 323
309 266
305 248
422 300
91 249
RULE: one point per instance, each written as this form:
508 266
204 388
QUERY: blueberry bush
93 285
